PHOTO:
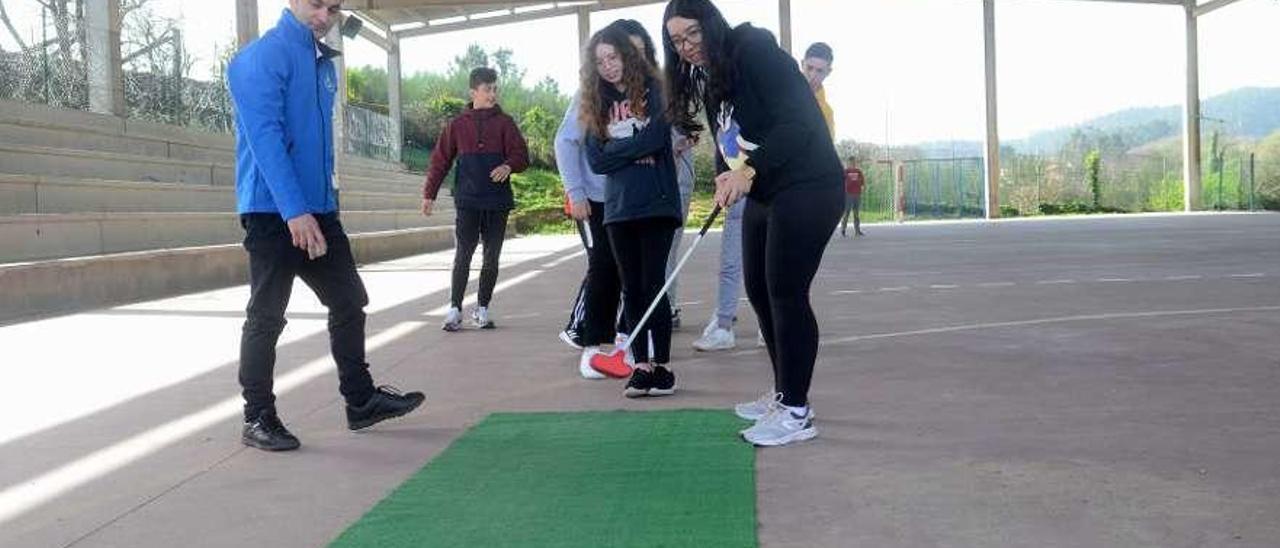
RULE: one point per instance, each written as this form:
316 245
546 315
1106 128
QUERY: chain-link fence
49 62
55 51
948 188
1132 182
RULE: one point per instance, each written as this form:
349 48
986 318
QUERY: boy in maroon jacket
853 183
489 148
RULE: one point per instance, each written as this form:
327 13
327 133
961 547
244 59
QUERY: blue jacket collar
295 31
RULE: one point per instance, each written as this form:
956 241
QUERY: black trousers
602 288
782 246
852 204
600 265
273 264
471 227
640 250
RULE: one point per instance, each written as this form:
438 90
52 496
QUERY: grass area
667 478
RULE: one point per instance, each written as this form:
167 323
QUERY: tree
1267 171
1093 172
539 130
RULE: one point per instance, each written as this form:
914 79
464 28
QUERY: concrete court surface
1104 381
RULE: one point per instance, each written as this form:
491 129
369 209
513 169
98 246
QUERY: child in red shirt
853 183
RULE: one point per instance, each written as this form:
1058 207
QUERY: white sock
798 412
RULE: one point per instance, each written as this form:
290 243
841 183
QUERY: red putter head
613 364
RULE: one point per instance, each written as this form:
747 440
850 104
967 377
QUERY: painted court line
471 299
846 292
900 288
1055 282
34 492
943 286
1116 279
997 284
1043 321
1254 275
1177 278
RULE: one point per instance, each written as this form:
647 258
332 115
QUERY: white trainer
480 317
584 364
780 427
717 339
452 320
754 410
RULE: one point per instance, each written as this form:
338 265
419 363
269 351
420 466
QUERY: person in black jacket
773 147
628 139
488 147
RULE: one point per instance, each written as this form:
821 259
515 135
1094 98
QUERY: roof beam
1212 5
1164 2
514 17
404 4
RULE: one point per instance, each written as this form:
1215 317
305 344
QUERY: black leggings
472 226
782 245
640 249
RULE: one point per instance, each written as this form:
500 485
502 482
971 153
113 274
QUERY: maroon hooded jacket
481 140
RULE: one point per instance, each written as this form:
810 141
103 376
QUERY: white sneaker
780 427
713 325
760 339
754 410
584 364
480 317
452 320
717 339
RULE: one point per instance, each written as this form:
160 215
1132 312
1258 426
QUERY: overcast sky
906 70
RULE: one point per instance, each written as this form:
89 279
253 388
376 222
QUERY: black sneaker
675 318
639 384
662 382
385 403
269 434
571 338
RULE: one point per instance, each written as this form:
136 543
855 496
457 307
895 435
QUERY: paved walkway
1073 382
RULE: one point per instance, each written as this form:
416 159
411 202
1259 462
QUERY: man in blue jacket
283 86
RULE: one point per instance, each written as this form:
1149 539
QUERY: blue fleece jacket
283 86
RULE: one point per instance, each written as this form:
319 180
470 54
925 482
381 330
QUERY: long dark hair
593 113
692 88
634 28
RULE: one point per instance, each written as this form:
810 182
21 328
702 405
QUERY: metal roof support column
246 21
105 76
992 203
395 106
784 25
1191 116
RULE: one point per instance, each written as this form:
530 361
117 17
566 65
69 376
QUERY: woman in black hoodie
773 147
628 139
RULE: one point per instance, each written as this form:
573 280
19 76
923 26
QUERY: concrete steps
37 125
24 194
50 287
29 160
34 237
97 210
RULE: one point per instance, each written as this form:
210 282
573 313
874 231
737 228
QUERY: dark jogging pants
471 227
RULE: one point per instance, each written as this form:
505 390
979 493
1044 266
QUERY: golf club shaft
670 279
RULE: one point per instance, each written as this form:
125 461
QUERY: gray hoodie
579 181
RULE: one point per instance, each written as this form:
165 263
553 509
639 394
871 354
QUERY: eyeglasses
691 37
